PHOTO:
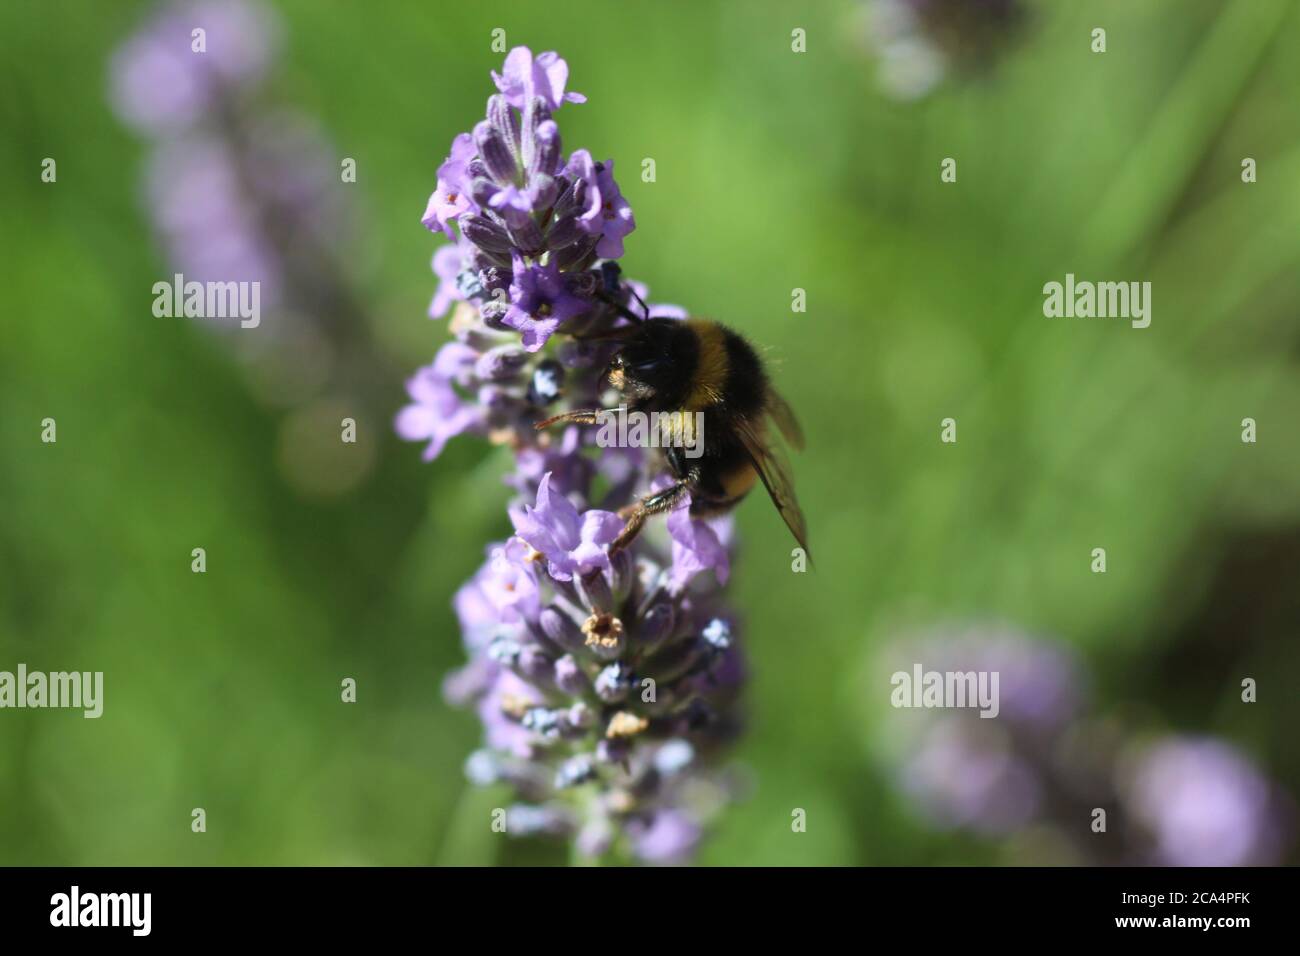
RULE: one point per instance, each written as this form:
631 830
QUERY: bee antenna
622 309
645 309
611 284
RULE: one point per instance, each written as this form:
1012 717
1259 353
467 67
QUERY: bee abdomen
746 387
723 487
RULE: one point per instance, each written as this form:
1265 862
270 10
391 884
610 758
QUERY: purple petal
447 264
522 77
696 548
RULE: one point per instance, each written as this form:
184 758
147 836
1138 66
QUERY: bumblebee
700 370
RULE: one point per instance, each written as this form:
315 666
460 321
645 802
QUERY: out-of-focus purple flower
668 837
509 582
525 76
1042 762
461 688
965 775
572 543
540 303
509 695
1205 804
447 265
1041 684
209 224
241 190
451 199
965 771
159 82
438 412
476 612
570 470
237 191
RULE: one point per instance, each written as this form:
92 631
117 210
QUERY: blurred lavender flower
255 209
1204 804
1042 762
606 684
159 84
239 191
439 412
969 772
920 42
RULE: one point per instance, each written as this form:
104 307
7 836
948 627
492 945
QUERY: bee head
655 363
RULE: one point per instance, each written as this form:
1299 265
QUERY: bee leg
586 416
636 514
630 530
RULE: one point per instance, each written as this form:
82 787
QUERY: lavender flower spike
607 684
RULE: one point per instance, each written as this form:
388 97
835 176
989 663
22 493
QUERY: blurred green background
775 170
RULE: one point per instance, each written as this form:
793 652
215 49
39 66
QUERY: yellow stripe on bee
736 483
676 429
712 365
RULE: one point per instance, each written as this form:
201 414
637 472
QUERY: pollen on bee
677 429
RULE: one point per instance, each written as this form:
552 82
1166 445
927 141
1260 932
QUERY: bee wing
784 418
775 474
